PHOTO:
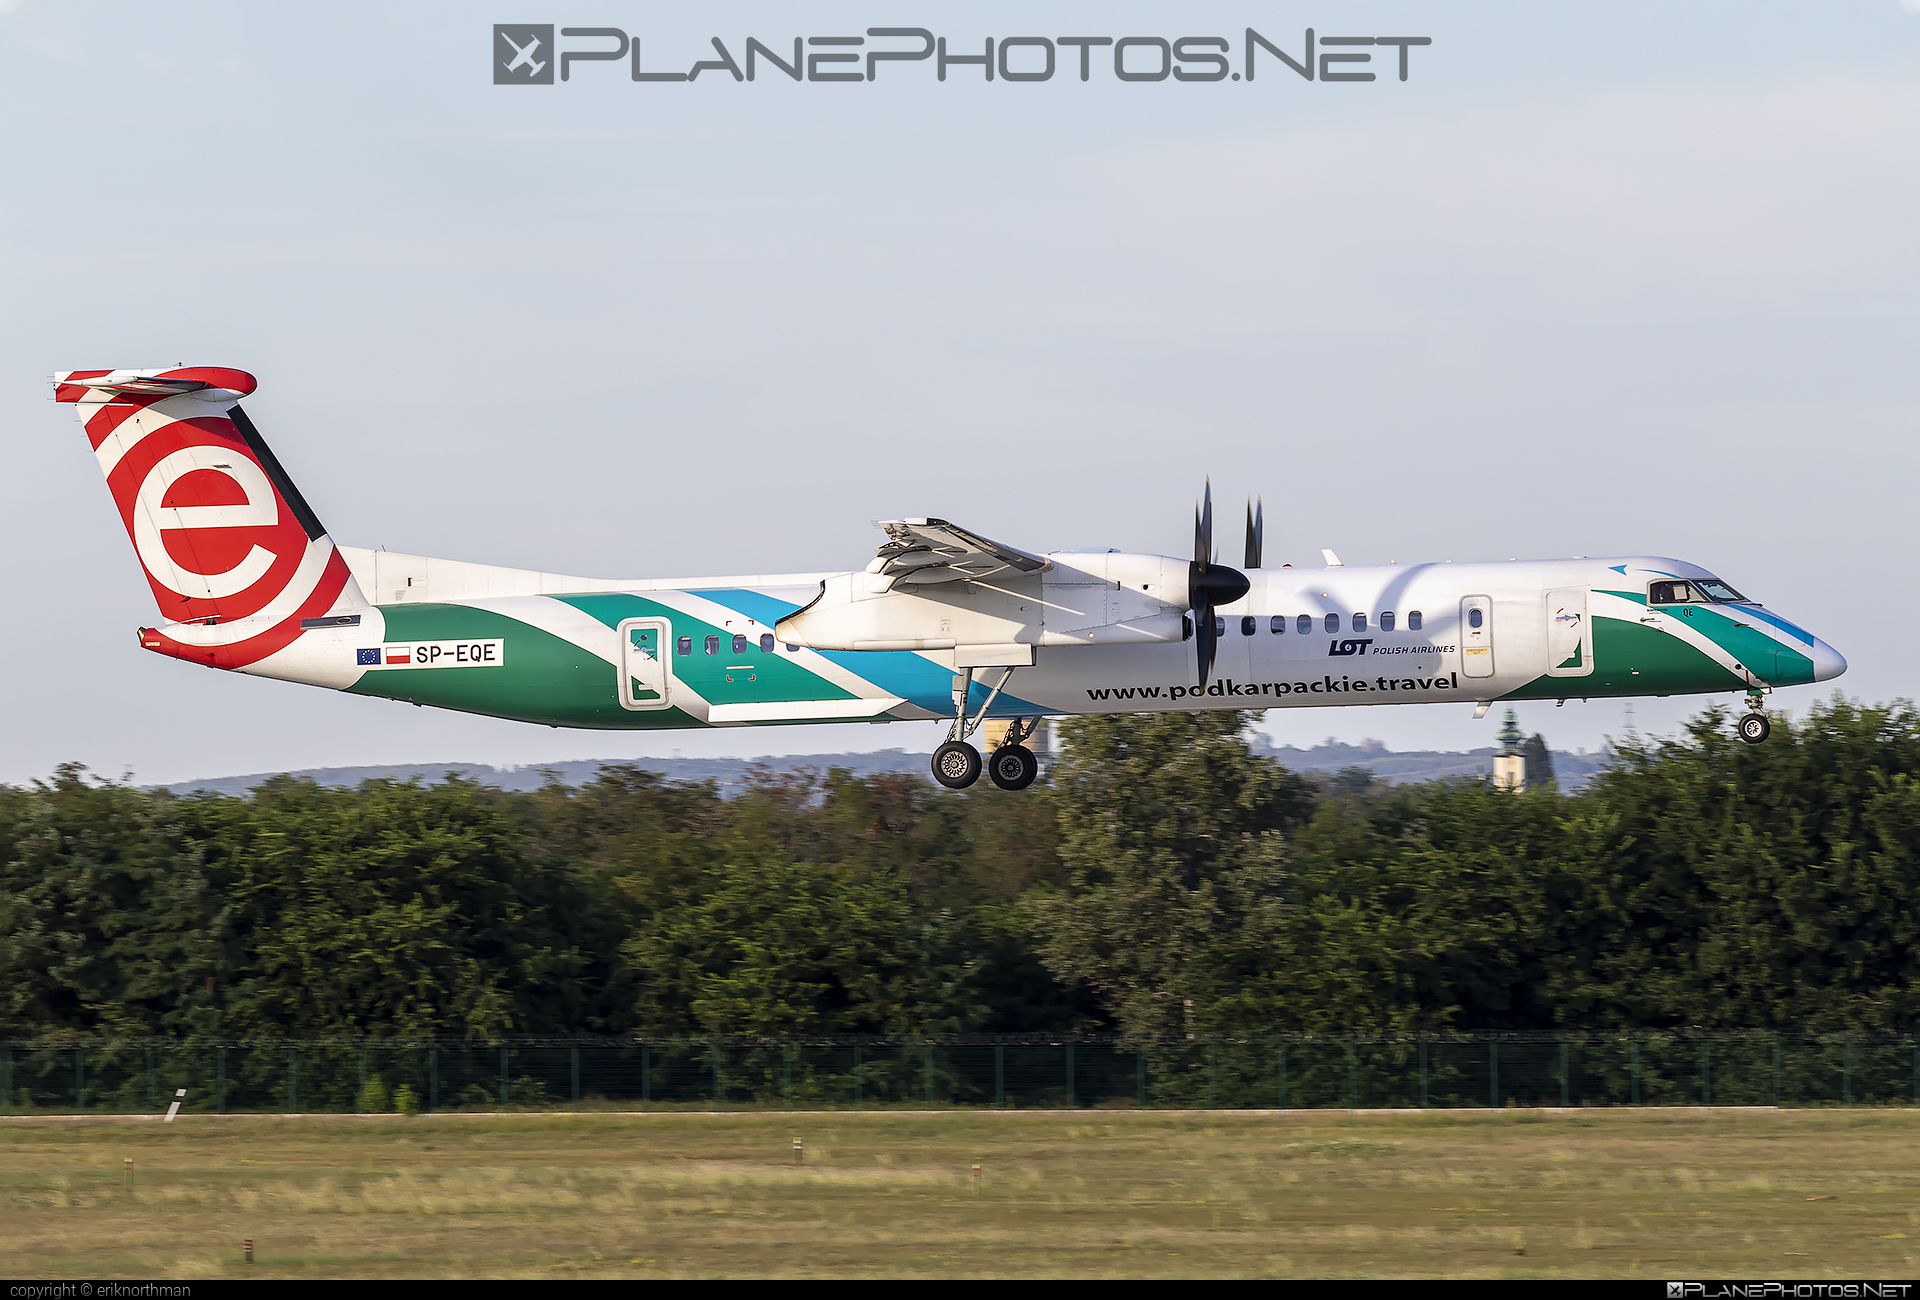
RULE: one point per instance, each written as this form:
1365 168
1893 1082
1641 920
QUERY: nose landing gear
1754 727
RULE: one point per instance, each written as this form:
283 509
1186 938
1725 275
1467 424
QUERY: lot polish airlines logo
525 54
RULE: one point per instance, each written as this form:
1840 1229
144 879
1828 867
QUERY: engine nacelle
1097 598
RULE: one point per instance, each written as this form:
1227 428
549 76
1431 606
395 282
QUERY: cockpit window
1674 593
1705 591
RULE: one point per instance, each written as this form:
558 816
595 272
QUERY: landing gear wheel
1754 728
956 765
1013 767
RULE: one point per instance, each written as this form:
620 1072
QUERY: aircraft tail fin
237 559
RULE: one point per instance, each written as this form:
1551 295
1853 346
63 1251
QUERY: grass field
1813 1194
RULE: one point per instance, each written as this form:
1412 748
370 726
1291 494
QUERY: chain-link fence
1303 1072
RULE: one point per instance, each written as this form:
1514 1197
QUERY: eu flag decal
368 656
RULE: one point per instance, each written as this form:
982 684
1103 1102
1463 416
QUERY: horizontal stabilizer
207 383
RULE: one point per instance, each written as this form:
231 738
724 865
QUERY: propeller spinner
1210 584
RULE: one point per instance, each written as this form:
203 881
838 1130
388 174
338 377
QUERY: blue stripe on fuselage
912 677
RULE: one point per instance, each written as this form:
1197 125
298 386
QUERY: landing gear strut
1754 727
956 764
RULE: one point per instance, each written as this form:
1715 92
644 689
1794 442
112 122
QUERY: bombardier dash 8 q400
941 623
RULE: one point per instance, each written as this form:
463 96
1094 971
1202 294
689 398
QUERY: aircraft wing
933 550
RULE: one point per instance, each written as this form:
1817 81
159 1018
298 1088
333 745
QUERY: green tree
108 922
398 908
1536 762
814 914
1170 834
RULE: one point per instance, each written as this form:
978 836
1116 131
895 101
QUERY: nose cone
1827 662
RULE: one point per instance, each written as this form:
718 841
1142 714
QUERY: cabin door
646 681
1476 636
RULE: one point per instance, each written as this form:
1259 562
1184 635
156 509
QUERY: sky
1621 278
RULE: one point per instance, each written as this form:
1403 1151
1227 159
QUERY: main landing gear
957 764
1754 727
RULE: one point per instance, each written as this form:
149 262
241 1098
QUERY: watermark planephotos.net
525 54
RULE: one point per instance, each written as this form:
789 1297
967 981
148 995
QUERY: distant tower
1509 769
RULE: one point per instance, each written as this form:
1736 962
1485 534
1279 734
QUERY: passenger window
1333 622
1413 620
1219 625
739 644
1359 622
1247 624
1386 620
1475 618
793 649
683 646
766 643
1304 624
713 645
1674 593
1278 625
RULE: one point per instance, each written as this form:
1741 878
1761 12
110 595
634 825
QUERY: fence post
576 1074
1846 1071
1353 1075
505 1093
1566 1087
79 1079
1776 1069
1493 1073
1280 1051
1706 1075
1423 1074
433 1077
220 1075
999 1077
1070 1076
927 1059
293 1080
786 1065
646 1075
1633 1066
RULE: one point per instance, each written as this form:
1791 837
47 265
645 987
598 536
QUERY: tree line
1166 881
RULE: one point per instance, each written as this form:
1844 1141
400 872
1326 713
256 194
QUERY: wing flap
933 550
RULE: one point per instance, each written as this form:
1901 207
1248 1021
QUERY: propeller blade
1205 643
1256 532
1203 531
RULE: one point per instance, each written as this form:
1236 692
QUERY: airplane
942 623
524 57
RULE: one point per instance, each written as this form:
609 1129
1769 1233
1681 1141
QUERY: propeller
1209 584
1256 531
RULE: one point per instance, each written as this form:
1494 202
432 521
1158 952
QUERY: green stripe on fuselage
1760 653
544 678
1634 659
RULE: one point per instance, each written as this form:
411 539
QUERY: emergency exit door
646 680
1476 636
